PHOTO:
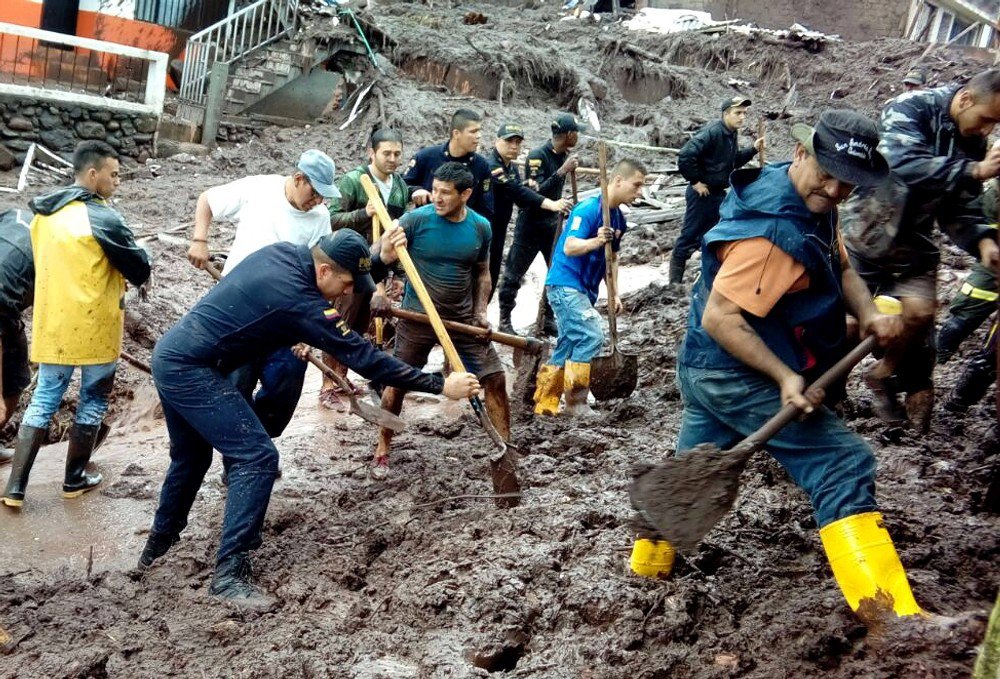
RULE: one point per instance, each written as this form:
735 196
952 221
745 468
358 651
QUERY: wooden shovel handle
413 276
380 288
789 412
609 279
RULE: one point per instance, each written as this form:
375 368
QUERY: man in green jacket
353 211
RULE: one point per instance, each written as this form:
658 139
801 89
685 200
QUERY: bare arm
481 292
577 247
723 321
198 252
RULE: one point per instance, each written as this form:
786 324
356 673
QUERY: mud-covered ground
392 579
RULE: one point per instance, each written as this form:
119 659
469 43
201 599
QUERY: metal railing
254 26
65 68
189 15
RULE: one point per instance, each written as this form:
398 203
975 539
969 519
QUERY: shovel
529 345
503 460
366 411
683 497
613 375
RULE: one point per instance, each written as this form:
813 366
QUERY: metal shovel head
683 497
376 415
613 375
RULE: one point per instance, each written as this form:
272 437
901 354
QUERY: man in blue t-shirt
578 265
450 246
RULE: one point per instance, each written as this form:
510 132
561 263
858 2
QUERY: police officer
466 129
508 190
546 172
706 161
280 297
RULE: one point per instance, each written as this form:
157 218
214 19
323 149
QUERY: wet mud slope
416 576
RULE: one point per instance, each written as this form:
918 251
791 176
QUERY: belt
979 293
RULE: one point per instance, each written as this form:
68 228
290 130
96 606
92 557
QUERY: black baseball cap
509 131
729 102
567 122
845 144
350 250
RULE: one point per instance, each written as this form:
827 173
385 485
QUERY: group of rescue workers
793 256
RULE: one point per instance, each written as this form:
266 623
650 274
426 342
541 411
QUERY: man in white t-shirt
269 209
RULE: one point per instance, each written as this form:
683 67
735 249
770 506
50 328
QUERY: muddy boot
867 567
82 438
919 409
156 546
29 440
6 455
975 380
885 399
548 389
233 583
652 558
505 323
576 386
950 337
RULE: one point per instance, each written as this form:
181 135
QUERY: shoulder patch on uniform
331 314
497 172
535 162
486 185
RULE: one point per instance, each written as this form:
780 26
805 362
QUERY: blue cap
349 249
318 169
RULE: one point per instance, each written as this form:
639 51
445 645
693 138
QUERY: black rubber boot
156 546
82 438
505 323
233 582
29 440
675 277
975 380
950 337
6 455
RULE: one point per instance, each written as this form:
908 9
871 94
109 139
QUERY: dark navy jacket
542 167
420 174
271 301
711 155
17 268
805 329
508 190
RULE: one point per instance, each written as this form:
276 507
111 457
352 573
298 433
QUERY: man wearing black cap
706 161
935 141
508 191
546 171
282 296
466 129
768 316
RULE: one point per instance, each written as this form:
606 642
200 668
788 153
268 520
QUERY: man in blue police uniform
466 129
281 296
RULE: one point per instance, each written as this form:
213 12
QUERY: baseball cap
915 77
350 250
729 102
845 144
509 131
567 122
319 168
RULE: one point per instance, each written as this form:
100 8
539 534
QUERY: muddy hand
301 351
198 254
461 385
393 237
421 197
886 328
792 388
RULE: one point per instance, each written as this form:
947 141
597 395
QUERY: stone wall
850 19
60 127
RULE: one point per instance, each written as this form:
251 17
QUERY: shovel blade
614 375
683 497
375 415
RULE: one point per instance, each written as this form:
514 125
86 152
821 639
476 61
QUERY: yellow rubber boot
866 565
548 389
577 386
652 558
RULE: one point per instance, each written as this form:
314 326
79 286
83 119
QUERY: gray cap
318 169
915 77
729 102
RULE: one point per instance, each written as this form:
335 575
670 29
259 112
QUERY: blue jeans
281 376
831 463
580 333
96 382
204 410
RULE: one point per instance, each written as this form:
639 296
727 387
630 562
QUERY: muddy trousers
580 333
975 302
831 463
96 382
529 241
281 376
701 213
205 411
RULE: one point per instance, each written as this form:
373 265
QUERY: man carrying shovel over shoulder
450 246
768 314
572 284
281 296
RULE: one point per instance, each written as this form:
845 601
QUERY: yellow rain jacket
83 254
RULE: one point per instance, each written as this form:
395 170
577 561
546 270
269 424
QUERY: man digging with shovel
574 279
279 298
767 315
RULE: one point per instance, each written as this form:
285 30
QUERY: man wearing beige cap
706 161
269 209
